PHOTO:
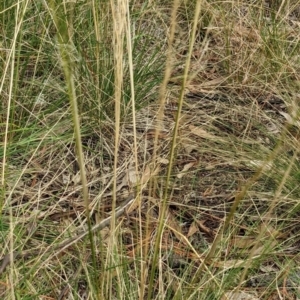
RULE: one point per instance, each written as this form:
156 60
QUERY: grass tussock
149 150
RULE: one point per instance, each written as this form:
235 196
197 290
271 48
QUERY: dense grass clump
149 150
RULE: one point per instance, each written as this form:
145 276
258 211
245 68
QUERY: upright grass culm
135 148
60 11
118 10
20 10
163 206
152 187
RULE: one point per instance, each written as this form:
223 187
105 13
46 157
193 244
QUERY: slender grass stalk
11 222
164 206
162 93
119 26
135 147
67 55
20 12
97 25
10 62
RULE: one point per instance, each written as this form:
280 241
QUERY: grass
148 152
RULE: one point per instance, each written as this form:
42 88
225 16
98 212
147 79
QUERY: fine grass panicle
149 149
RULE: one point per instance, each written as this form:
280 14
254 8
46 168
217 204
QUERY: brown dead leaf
243 242
240 295
213 82
205 228
229 264
173 224
186 168
268 268
132 177
262 249
190 147
76 178
193 229
147 174
269 231
163 161
201 132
